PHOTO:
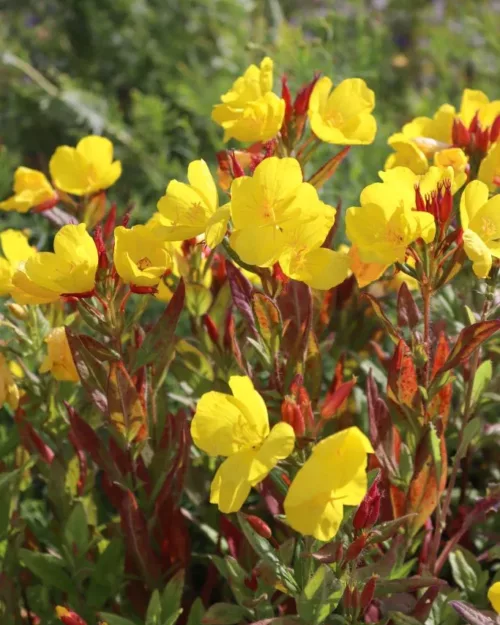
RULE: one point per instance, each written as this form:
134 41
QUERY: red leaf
408 312
441 403
402 384
467 342
241 291
125 409
335 400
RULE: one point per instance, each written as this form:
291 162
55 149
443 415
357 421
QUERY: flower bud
291 414
474 125
68 617
460 135
287 97
211 329
495 130
482 139
110 223
236 168
368 512
18 311
259 526
355 548
446 203
368 593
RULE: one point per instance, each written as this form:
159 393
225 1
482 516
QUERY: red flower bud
474 125
259 526
47 205
483 139
68 617
460 135
109 224
495 130
355 548
369 509
101 247
211 329
278 274
301 103
251 582
368 593
287 96
446 203
419 200
143 290
291 414
236 169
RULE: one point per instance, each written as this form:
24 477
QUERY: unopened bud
68 617
18 311
483 140
419 200
446 203
251 582
355 548
291 414
110 223
143 290
347 598
368 593
211 329
259 526
460 135
236 169
474 125
278 274
369 509
287 97
495 130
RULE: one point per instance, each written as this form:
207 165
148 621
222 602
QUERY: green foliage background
147 72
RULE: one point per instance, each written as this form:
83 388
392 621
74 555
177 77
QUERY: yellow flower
86 169
431 134
334 476
250 111
303 258
69 270
478 102
344 116
407 154
189 210
140 257
365 273
480 219
237 426
59 360
31 188
387 222
457 160
16 250
273 200
9 393
494 596
489 169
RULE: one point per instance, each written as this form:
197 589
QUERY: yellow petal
494 596
254 406
15 246
231 485
365 273
266 74
472 101
96 150
139 256
320 268
25 291
217 226
489 169
478 252
474 197
277 446
258 246
69 170
201 180
486 221
425 226
6 273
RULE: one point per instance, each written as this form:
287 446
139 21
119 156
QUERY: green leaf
398 618
465 569
196 612
76 530
435 448
471 430
320 596
48 568
153 614
482 378
198 299
114 619
107 575
172 596
223 614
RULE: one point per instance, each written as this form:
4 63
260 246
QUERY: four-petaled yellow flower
387 222
494 596
9 392
476 102
16 251
69 270
237 426
250 111
188 210
334 476
140 257
59 360
86 169
31 189
344 116
480 219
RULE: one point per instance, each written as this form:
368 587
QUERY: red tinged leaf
259 526
402 384
110 223
324 173
377 309
301 104
68 617
137 540
335 400
126 410
468 341
441 403
369 509
86 438
383 435
287 97
82 462
408 312
241 291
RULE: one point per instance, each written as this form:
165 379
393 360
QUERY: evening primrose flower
494 596
189 210
69 270
489 169
475 102
273 200
334 476
31 189
237 426
16 250
250 111
86 169
387 222
343 116
9 392
480 219
59 360
140 257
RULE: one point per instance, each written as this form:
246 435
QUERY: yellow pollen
488 228
335 119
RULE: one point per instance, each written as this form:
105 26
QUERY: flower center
488 228
335 119
144 263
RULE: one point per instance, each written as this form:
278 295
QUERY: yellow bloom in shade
86 169
59 360
343 116
365 273
250 111
387 222
494 596
480 219
31 188
16 250
474 101
69 270
334 476
237 426
140 257
189 210
489 169
9 392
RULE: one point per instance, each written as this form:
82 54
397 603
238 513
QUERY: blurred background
146 73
